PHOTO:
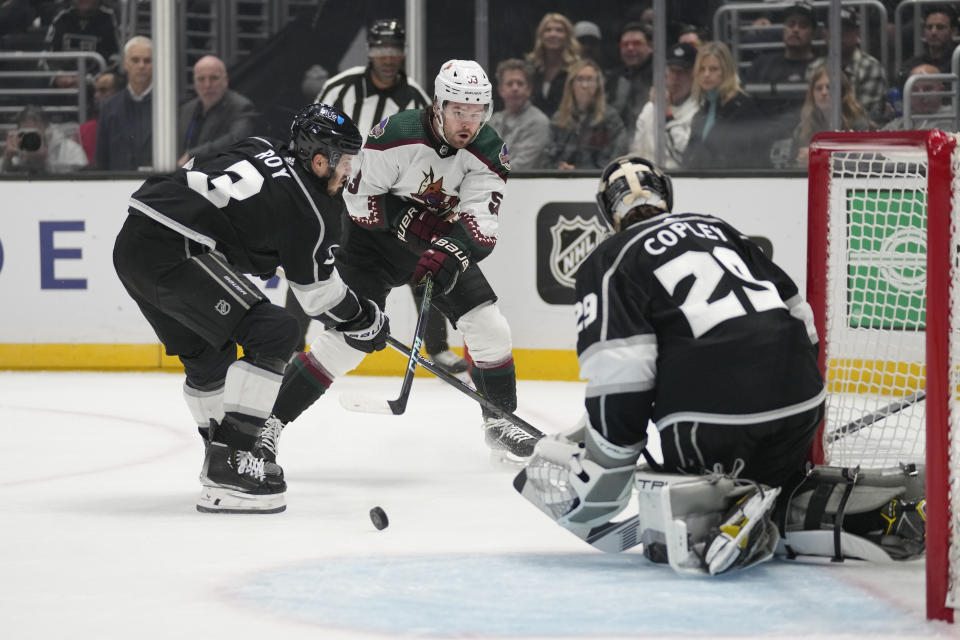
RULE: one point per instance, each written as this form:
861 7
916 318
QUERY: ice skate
508 443
236 481
449 362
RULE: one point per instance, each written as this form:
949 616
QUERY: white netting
876 275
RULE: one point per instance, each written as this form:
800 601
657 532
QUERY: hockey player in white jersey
369 94
427 201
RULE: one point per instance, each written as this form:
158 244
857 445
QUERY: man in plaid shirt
865 72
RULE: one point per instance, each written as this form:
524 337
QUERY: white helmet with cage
462 81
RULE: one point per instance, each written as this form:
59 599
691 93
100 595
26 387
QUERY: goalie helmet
631 181
320 128
462 81
386 32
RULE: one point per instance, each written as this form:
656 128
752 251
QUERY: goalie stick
876 416
368 404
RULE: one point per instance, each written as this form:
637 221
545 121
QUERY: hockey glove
367 332
445 261
420 227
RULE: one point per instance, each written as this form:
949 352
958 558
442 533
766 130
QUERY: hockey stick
879 414
367 404
455 382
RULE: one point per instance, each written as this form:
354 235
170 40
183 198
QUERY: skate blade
221 500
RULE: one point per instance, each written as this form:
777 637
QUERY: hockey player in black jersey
427 201
684 322
259 205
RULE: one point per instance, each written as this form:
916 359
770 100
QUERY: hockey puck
379 518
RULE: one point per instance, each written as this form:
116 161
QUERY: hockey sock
497 382
304 381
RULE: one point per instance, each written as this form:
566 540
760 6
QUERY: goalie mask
320 128
462 81
629 182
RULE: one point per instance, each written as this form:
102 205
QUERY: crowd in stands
579 95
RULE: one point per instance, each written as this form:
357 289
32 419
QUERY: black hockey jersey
260 208
682 319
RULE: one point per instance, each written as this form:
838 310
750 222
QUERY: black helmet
631 181
320 128
386 32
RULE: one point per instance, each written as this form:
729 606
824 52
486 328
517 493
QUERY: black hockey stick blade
455 382
368 404
875 416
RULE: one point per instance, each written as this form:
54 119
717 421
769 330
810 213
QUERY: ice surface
99 537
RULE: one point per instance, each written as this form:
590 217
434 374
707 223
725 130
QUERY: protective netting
875 313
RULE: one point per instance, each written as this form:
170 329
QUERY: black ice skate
236 481
508 442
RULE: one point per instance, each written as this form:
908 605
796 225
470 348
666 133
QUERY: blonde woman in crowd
554 50
586 133
815 113
724 133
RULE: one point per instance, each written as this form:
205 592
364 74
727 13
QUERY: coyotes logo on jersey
432 195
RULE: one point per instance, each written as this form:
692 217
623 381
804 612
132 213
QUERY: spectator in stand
815 113
217 117
36 146
86 25
106 84
934 112
628 85
681 108
522 126
690 33
864 72
125 129
586 133
723 134
939 31
789 65
554 50
590 38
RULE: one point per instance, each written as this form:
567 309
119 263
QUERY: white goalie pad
680 517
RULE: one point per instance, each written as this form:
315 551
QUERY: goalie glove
368 331
575 491
445 261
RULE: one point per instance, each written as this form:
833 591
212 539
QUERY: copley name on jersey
674 231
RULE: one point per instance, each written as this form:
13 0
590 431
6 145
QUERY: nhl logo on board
572 240
222 307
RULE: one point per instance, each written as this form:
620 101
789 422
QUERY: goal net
882 260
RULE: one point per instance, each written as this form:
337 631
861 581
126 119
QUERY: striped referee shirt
353 92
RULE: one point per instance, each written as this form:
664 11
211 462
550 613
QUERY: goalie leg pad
870 514
681 517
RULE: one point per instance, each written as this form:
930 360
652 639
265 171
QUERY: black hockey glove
423 226
368 331
446 261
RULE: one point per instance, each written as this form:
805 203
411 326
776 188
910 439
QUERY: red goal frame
939 149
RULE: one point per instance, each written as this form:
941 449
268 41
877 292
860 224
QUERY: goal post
882 261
